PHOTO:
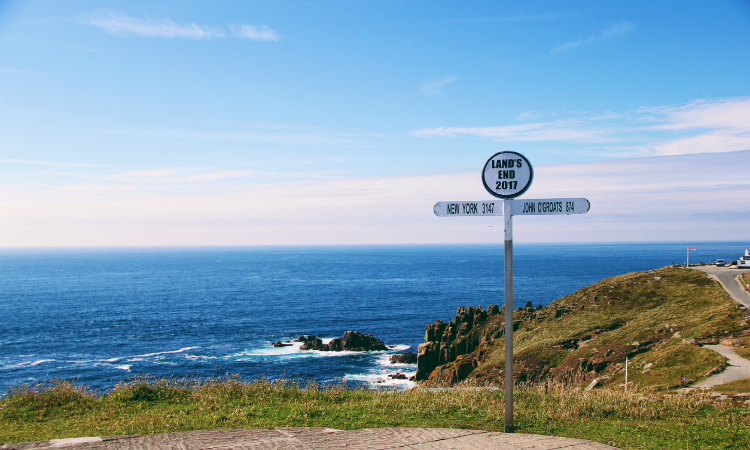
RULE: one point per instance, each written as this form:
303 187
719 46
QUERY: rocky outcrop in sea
404 358
352 341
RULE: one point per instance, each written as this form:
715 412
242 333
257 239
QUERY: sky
161 123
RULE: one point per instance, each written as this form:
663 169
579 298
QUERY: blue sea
99 316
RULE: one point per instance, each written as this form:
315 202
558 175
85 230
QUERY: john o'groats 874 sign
507 174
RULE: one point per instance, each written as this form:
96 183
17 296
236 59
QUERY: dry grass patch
150 406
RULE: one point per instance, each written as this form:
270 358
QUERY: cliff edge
658 319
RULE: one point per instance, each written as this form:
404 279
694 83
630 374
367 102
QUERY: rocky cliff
444 342
657 319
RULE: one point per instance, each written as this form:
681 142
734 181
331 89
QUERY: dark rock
352 341
357 342
313 343
397 376
281 344
404 358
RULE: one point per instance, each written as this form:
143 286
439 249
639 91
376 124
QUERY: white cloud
697 127
561 130
260 33
529 115
688 197
186 176
615 30
19 72
47 163
302 135
574 44
431 87
729 114
120 24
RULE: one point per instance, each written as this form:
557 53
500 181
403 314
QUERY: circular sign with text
507 174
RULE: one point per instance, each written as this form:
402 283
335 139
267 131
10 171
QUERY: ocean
100 316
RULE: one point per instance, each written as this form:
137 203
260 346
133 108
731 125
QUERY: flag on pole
691 248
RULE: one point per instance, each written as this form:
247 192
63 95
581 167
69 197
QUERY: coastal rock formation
404 358
656 322
352 341
445 342
281 344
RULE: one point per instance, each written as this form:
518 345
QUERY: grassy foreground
148 406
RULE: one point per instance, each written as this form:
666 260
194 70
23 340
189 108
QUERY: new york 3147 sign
507 174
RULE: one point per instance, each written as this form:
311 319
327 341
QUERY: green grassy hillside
654 318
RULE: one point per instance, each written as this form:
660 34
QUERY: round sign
507 174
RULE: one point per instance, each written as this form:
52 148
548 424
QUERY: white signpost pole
507 175
508 211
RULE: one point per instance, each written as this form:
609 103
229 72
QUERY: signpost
507 175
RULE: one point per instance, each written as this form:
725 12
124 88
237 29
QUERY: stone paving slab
321 439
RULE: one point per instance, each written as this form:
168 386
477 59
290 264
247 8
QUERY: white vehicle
743 262
720 263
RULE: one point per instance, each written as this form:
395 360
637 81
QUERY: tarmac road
727 278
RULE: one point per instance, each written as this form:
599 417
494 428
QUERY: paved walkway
322 439
737 369
728 279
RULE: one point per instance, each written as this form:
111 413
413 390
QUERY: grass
735 387
649 317
745 277
148 406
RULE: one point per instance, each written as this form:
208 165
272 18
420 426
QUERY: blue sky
273 122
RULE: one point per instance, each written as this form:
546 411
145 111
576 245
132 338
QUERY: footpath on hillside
738 367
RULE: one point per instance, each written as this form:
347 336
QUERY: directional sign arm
519 207
550 206
477 208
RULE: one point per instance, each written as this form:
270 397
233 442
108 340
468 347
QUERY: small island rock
404 358
352 341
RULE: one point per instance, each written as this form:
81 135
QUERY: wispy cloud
432 87
47 163
187 175
19 72
569 130
259 33
697 127
511 18
530 115
615 30
646 199
300 135
121 25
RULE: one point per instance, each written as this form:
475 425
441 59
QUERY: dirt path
737 369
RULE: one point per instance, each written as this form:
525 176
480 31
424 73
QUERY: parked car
720 263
